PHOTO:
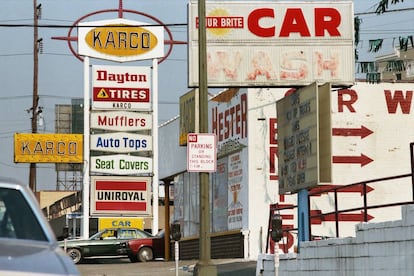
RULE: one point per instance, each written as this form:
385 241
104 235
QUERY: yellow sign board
120 223
48 148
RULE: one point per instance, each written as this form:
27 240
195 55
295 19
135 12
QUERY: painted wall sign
121 195
121 120
121 142
259 44
120 40
121 164
121 87
48 148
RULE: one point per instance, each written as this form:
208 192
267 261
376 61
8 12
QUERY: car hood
26 257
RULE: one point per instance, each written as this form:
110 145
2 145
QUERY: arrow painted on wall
362 160
345 189
356 217
362 132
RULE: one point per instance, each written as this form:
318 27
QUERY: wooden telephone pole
36 13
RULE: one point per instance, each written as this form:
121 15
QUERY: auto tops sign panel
262 44
120 40
121 142
121 87
48 148
112 195
121 164
121 120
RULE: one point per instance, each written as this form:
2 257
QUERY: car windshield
17 220
126 233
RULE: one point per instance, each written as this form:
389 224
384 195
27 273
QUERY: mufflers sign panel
120 195
121 87
121 164
48 148
121 120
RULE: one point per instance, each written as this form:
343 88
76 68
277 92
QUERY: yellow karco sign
120 40
48 148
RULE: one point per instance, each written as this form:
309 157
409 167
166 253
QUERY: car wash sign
120 40
121 87
120 195
258 43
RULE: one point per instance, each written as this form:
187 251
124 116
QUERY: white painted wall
380 249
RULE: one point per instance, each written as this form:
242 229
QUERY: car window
17 220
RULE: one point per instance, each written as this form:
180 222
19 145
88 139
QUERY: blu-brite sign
266 44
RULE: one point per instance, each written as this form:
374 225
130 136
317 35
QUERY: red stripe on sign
121 206
121 185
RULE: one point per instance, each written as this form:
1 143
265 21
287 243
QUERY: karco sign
121 87
120 40
274 44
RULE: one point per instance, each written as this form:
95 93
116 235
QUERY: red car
144 249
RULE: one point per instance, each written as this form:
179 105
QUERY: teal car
106 243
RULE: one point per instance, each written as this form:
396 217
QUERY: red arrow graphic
345 189
362 159
341 217
361 132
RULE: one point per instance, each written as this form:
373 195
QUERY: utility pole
204 267
36 12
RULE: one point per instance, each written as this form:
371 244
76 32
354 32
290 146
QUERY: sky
61 74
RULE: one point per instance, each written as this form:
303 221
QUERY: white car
27 243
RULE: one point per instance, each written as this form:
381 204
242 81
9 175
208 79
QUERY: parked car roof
27 241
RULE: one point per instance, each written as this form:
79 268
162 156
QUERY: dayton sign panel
121 195
274 43
120 40
48 148
121 87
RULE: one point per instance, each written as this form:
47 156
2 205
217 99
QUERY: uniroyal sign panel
120 195
121 87
121 121
274 43
120 40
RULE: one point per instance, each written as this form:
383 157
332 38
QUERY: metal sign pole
86 154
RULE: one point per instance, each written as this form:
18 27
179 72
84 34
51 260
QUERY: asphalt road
123 267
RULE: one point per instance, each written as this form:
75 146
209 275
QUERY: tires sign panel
121 87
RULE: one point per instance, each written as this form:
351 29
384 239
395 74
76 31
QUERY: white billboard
266 44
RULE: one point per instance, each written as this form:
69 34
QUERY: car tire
145 254
133 258
75 255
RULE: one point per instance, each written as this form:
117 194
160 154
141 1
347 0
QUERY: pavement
123 267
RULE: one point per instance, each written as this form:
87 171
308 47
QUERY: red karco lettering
294 22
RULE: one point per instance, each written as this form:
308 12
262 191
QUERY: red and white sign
121 120
121 195
201 152
121 87
258 44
